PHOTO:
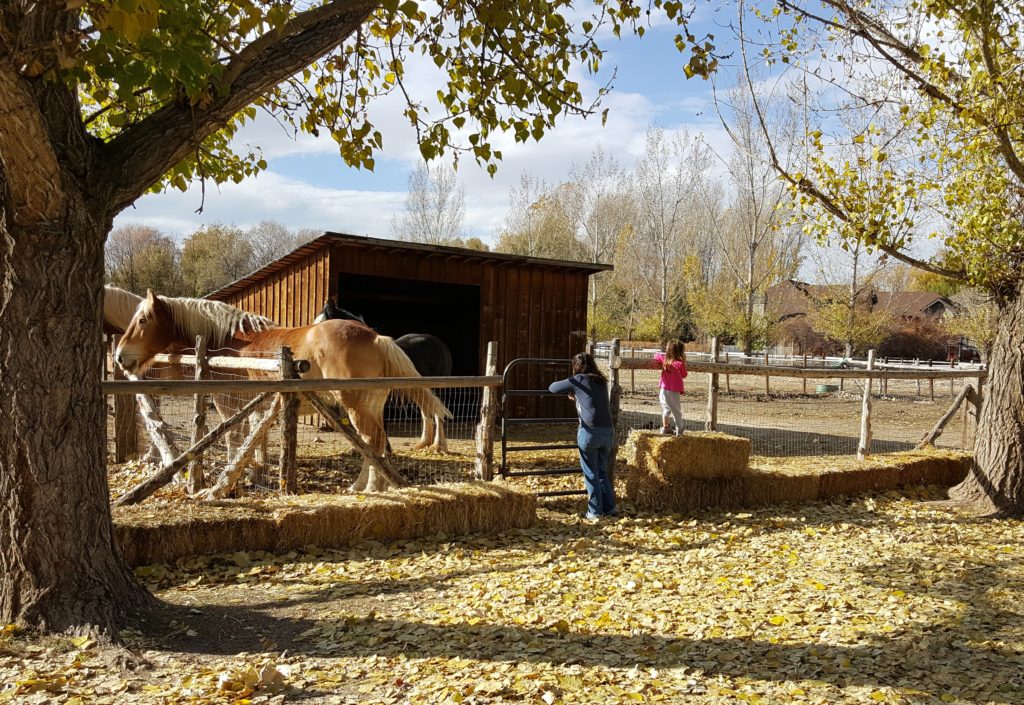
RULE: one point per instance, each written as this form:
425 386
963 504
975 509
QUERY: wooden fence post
614 394
126 437
195 470
767 385
864 446
728 377
711 420
288 481
632 372
804 379
488 414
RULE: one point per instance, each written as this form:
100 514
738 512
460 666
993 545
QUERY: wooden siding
292 296
531 311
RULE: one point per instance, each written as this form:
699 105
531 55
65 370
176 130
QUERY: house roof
793 298
329 239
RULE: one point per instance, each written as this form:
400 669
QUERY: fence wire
786 416
326 460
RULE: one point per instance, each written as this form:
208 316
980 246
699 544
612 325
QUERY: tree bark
59 567
996 481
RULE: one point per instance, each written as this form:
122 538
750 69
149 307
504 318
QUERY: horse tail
398 364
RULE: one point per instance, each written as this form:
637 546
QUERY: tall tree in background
270 240
213 257
935 96
539 221
102 102
759 244
600 207
435 207
670 185
139 257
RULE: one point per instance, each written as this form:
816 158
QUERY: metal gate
508 421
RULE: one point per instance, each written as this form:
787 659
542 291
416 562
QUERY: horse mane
119 306
216 321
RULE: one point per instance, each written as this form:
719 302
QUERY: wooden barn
533 307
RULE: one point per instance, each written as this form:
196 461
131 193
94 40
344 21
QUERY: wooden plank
931 436
195 470
711 420
288 481
811 373
233 472
252 386
484 463
162 476
221 362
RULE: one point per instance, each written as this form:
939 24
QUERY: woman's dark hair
584 364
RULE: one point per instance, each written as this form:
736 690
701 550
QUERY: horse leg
440 440
427 436
365 410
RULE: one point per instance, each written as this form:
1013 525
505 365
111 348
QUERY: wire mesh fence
787 416
326 461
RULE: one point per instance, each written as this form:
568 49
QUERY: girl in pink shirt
673 370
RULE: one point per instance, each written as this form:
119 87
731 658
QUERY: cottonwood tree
435 207
935 96
139 257
102 102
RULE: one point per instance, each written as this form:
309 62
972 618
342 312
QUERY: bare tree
670 184
139 257
539 221
435 207
271 240
759 246
600 208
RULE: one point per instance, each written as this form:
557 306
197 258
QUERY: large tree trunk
996 482
59 567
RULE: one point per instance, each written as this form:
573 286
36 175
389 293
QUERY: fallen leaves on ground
882 599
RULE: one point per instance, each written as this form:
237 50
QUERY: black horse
429 355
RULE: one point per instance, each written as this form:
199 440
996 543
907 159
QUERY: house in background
918 314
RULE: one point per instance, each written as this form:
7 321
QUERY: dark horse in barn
429 355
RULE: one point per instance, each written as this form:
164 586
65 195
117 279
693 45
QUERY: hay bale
702 454
165 532
162 532
794 480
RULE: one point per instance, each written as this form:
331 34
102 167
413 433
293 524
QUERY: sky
307 185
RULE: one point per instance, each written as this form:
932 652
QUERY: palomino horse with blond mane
335 349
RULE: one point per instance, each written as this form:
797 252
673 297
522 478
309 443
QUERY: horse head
150 331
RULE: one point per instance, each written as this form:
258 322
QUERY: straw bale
163 533
702 454
795 480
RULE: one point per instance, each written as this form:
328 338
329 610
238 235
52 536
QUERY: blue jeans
595 447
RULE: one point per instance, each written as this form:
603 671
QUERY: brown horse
335 349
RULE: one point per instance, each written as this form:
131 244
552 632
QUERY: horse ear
150 296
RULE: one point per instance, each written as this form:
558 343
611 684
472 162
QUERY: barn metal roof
329 239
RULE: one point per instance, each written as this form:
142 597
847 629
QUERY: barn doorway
398 306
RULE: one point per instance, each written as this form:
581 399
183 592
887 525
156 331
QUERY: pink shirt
672 379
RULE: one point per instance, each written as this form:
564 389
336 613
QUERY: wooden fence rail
182 387
643 363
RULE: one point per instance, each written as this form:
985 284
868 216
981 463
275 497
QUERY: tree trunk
59 568
996 481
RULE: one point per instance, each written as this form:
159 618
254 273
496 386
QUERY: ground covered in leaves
880 599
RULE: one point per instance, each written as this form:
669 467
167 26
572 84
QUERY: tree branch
148 149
